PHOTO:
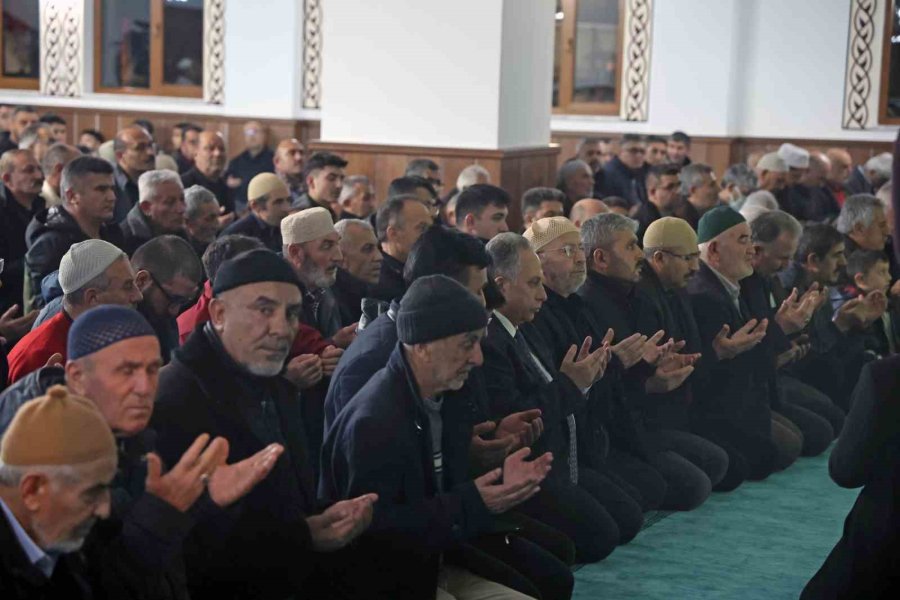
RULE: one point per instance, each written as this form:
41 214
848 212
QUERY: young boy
869 270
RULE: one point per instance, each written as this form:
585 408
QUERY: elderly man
360 268
55 160
21 118
863 221
771 173
256 158
422 494
51 495
357 199
37 139
270 202
866 179
472 175
576 180
91 273
201 217
481 210
288 164
734 401
20 201
542 202
793 198
399 223
586 208
841 167
87 188
815 198
610 299
324 177
225 381
114 359
312 247
700 192
209 171
159 212
624 175
738 181
135 155
662 183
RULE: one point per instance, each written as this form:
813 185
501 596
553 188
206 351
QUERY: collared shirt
734 290
512 330
40 559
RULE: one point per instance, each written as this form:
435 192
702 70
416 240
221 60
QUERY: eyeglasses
569 250
685 257
173 300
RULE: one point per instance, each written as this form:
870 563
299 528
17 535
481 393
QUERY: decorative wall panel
312 53
636 64
214 51
62 47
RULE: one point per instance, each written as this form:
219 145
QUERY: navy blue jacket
619 180
381 443
255 227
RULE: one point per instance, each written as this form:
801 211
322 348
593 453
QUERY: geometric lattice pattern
214 51
860 99
312 53
62 48
636 63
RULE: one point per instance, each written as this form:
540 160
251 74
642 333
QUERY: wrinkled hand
304 371
581 365
330 357
485 454
795 312
527 426
742 340
185 482
344 337
630 350
521 481
230 483
15 328
341 523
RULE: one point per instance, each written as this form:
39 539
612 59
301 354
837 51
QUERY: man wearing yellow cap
56 462
269 202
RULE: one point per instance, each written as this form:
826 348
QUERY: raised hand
341 523
488 454
742 340
851 314
345 336
652 352
581 365
521 481
796 311
230 483
185 482
874 305
606 347
527 426
55 360
304 371
15 328
630 350
330 357
671 372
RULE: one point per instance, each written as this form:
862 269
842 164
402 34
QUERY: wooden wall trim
427 151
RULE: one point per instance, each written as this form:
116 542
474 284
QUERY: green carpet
763 540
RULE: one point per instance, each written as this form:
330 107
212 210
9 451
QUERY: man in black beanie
415 546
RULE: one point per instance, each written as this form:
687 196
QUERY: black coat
50 234
757 294
737 389
381 443
865 563
245 167
391 285
223 193
619 180
255 227
127 194
262 548
14 220
349 292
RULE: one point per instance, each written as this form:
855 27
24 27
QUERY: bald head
210 158
254 136
586 208
841 163
819 169
289 159
134 150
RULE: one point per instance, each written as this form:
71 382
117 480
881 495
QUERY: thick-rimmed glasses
173 300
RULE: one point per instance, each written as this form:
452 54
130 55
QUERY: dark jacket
645 215
14 220
320 310
255 227
858 183
50 234
865 563
391 285
305 201
619 180
263 548
757 294
137 230
127 194
414 520
223 193
736 390
245 167
808 204
349 292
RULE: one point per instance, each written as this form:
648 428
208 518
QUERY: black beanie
437 307
254 266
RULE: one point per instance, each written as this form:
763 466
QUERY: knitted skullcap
794 156
716 222
771 162
543 231
267 183
672 234
57 429
436 307
103 326
306 225
85 261
254 266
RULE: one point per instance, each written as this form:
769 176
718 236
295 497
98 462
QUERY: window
889 106
150 47
19 44
587 71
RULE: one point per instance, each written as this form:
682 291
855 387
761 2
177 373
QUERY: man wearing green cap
733 404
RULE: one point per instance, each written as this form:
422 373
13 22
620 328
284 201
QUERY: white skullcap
306 225
771 162
84 261
793 156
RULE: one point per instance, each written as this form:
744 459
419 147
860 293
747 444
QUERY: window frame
567 67
18 83
157 85
884 84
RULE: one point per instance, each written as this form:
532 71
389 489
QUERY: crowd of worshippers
257 380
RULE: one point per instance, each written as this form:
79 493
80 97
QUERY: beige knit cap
543 231
57 429
306 225
266 183
771 162
673 234
84 261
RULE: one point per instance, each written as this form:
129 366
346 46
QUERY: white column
463 74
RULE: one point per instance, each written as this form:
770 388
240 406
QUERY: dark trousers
649 483
800 394
752 451
788 440
691 466
817 431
